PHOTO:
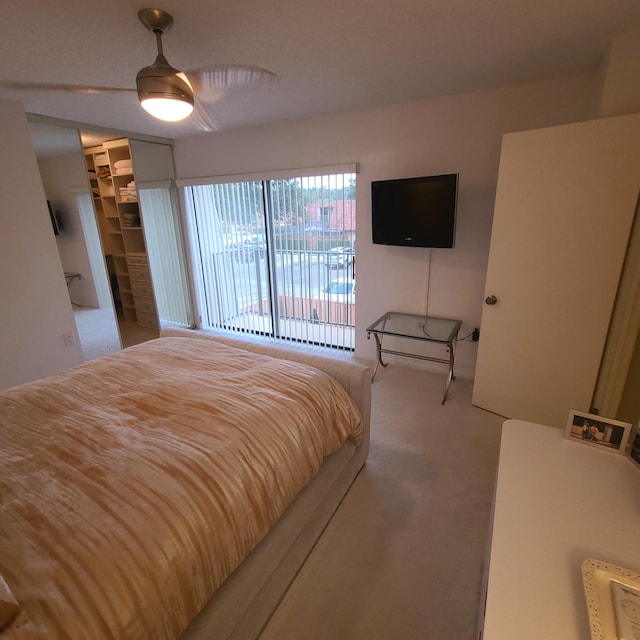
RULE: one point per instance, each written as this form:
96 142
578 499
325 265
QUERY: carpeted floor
100 335
402 557
97 331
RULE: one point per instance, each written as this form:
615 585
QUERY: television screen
415 212
56 219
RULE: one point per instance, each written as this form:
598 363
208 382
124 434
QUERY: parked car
250 251
341 290
339 257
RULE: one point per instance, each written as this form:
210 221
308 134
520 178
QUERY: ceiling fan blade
210 83
202 116
70 88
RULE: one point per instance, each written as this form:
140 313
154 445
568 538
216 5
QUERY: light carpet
101 334
97 331
402 557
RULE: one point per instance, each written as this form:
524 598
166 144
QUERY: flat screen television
56 219
415 212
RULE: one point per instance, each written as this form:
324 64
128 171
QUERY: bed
126 512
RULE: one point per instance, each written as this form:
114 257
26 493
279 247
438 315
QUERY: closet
115 198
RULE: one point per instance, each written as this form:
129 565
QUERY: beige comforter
133 485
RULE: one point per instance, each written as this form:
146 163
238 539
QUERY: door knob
490 300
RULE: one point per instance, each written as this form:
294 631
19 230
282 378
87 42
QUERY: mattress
135 484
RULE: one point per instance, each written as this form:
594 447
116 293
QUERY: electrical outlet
68 339
475 336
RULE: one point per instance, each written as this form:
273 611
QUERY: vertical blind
231 249
277 256
163 236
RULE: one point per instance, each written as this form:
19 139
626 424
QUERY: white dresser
557 503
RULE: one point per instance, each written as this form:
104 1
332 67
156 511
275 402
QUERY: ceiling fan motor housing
161 80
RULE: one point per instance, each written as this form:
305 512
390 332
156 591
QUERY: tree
287 198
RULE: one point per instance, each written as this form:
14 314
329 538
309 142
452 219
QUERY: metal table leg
450 375
378 355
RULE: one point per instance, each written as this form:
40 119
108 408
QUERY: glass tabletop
417 327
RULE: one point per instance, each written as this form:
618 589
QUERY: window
265 256
324 214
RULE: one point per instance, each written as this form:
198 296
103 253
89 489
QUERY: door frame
623 331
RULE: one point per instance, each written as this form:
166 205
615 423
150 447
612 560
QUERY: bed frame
243 605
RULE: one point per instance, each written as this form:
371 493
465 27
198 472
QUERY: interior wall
456 134
59 175
621 89
37 313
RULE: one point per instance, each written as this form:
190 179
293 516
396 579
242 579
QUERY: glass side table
423 328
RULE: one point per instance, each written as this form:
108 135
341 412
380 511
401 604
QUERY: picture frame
634 446
599 432
612 594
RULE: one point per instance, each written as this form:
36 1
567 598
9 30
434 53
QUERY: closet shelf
112 181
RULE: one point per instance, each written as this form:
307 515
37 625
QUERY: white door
564 207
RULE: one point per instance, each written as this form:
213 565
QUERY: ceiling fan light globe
164 92
167 109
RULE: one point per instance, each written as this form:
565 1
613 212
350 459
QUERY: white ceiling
329 55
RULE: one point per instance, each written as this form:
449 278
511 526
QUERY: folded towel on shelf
130 219
122 164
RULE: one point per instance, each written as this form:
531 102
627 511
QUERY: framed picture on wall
597 431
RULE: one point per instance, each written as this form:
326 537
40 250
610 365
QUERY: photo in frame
634 446
598 431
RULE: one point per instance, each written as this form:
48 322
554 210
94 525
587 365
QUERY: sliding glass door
277 256
231 248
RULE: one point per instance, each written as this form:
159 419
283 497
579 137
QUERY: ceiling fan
165 92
